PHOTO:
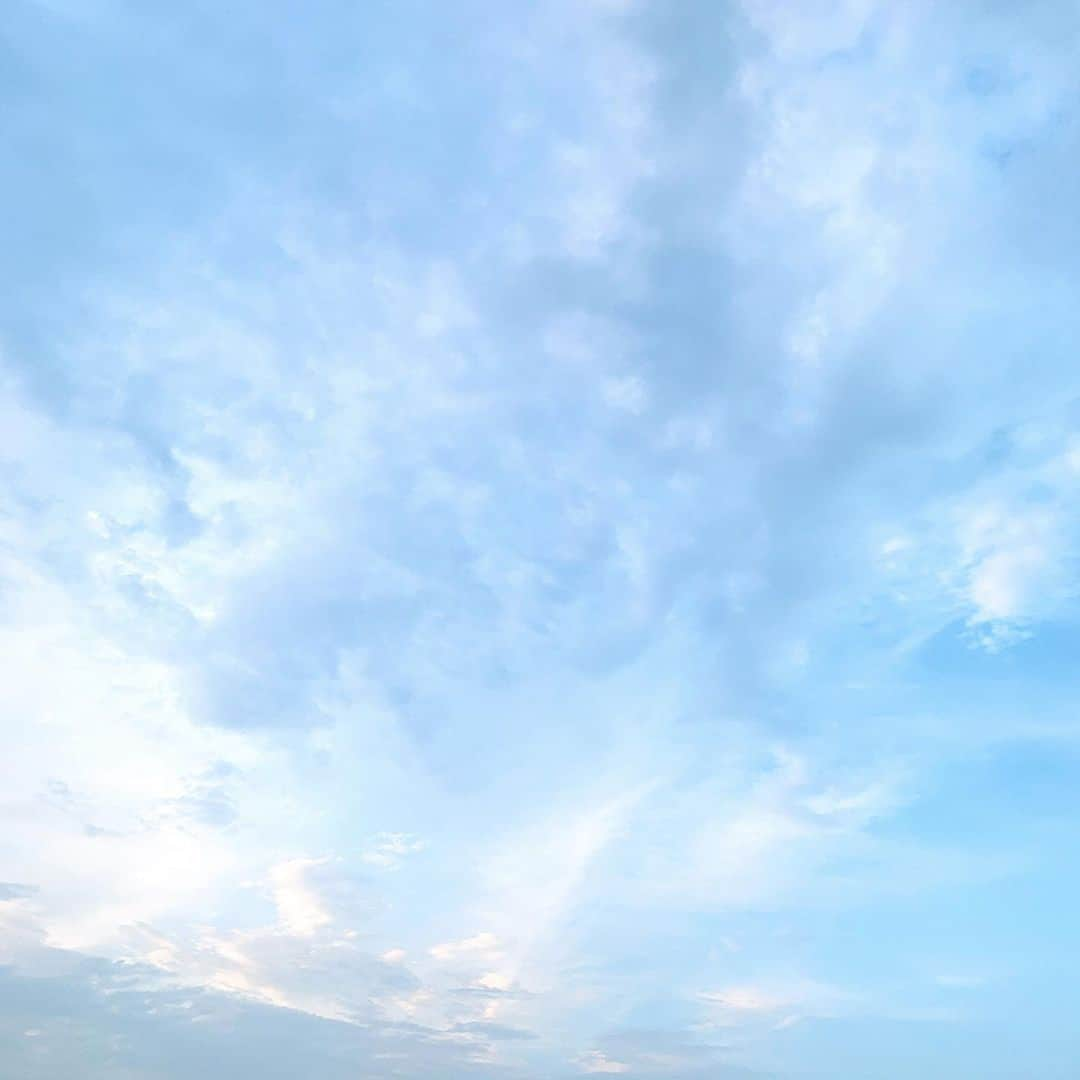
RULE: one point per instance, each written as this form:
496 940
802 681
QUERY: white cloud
300 908
595 1062
1014 562
796 999
745 999
387 850
478 943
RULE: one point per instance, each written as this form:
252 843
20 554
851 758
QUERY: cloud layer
538 541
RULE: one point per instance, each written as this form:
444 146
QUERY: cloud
99 1023
497 1032
798 998
745 999
595 1062
487 523
478 943
299 906
388 849
651 1052
11 891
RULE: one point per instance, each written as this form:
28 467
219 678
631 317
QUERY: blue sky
539 540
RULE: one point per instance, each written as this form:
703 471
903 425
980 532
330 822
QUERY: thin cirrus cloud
538 542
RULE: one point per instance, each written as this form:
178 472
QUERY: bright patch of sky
539 540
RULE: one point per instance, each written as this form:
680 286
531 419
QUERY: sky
539 540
